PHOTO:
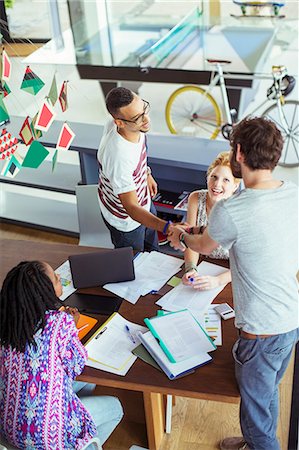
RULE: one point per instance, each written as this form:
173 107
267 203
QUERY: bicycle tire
290 152
190 110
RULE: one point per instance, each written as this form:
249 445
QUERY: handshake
176 234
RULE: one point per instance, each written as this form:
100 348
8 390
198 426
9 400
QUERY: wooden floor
196 424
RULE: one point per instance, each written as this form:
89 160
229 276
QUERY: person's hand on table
204 282
189 277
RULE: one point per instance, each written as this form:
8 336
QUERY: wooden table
214 381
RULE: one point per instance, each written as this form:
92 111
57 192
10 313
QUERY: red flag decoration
45 117
26 132
8 144
6 66
65 138
63 96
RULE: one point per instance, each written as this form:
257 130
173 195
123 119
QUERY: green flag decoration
54 160
4 117
53 94
31 82
36 133
35 155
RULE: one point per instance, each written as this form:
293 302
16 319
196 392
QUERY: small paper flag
8 144
63 97
4 117
31 82
36 133
26 132
65 138
54 160
6 66
35 155
53 94
12 166
45 117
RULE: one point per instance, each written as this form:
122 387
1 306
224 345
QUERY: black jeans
140 239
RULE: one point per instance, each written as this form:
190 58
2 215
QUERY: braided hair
27 293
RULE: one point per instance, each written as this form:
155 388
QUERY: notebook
94 304
84 325
96 269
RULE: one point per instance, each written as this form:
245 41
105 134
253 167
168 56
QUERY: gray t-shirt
260 229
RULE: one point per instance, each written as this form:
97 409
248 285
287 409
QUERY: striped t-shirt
123 168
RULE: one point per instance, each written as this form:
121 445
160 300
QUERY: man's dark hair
117 98
260 140
27 293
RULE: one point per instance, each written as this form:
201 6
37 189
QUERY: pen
83 326
101 332
130 334
153 292
191 280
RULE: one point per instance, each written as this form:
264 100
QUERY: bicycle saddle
218 61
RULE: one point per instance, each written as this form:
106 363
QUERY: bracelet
182 239
201 229
190 266
166 227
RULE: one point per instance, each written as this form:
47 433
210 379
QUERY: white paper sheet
152 271
66 280
110 347
211 322
182 296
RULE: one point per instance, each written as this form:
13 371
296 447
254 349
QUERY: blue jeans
106 411
259 366
140 239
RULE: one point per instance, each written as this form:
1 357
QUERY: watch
149 170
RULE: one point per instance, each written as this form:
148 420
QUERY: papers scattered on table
152 270
182 297
66 280
211 322
110 348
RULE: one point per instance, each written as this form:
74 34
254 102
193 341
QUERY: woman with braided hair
40 356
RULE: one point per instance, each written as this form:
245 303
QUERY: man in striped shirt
126 185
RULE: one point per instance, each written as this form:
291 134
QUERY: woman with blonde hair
221 185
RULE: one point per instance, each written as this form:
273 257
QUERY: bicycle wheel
290 152
191 111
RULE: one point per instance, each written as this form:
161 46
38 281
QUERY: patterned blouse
38 407
202 220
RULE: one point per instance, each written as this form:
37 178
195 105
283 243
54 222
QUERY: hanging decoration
66 137
5 89
53 94
4 117
36 133
6 67
12 166
45 117
8 144
31 82
35 155
63 96
54 160
26 133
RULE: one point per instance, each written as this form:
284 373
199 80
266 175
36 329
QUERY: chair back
92 228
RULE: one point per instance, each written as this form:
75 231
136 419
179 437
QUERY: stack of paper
152 270
110 348
182 297
177 343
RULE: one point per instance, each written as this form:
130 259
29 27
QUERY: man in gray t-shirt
259 227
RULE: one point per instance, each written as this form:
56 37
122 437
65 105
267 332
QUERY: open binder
172 370
179 335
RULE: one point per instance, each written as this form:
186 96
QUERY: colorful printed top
38 407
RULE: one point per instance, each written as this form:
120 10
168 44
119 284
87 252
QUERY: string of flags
31 129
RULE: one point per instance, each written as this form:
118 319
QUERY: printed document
182 296
110 348
66 280
152 270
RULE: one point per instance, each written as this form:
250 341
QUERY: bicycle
192 110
